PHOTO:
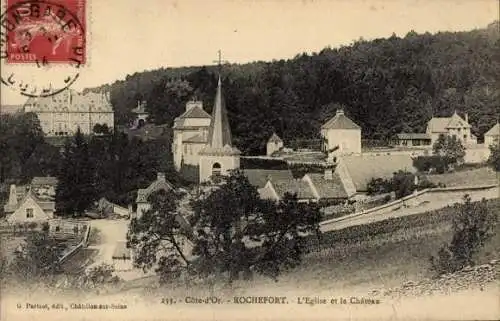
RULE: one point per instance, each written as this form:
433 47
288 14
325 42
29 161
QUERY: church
204 141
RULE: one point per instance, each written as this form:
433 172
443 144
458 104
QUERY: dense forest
386 85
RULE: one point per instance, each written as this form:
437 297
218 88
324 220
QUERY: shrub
378 186
473 224
436 162
256 163
424 183
32 225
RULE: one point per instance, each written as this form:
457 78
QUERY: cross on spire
219 61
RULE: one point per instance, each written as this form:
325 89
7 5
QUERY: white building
274 144
190 134
62 114
342 136
492 136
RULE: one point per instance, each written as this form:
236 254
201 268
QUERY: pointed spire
220 132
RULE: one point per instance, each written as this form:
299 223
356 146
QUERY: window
216 170
185 149
29 213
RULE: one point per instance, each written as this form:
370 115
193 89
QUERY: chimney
328 173
340 111
194 103
160 176
466 118
12 202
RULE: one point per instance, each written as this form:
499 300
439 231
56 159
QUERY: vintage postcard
249 160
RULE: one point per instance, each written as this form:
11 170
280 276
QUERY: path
111 232
432 203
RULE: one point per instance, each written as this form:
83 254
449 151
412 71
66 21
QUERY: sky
127 36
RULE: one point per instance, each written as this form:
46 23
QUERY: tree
20 135
231 231
159 236
494 159
38 257
242 233
450 147
403 183
473 224
76 190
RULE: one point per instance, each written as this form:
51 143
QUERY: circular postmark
42 46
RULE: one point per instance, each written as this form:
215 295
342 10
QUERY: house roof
328 189
494 131
340 121
47 180
69 100
441 124
275 139
259 177
45 205
197 139
159 184
362 168
294 186
413 136
267 192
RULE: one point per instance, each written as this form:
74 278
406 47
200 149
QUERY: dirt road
428 203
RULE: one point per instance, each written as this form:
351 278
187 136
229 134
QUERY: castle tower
219 156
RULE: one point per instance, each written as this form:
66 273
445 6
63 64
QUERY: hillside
386 85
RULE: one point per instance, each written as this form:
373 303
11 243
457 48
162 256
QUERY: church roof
195 112
340 121
494 131
219 135
275 139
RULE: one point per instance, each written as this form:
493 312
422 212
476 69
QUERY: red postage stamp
41 32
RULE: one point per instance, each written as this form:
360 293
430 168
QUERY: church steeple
219 135
220 132
219 156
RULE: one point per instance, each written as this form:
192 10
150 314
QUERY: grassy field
359 259
474 176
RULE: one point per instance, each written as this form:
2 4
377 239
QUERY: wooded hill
386 85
